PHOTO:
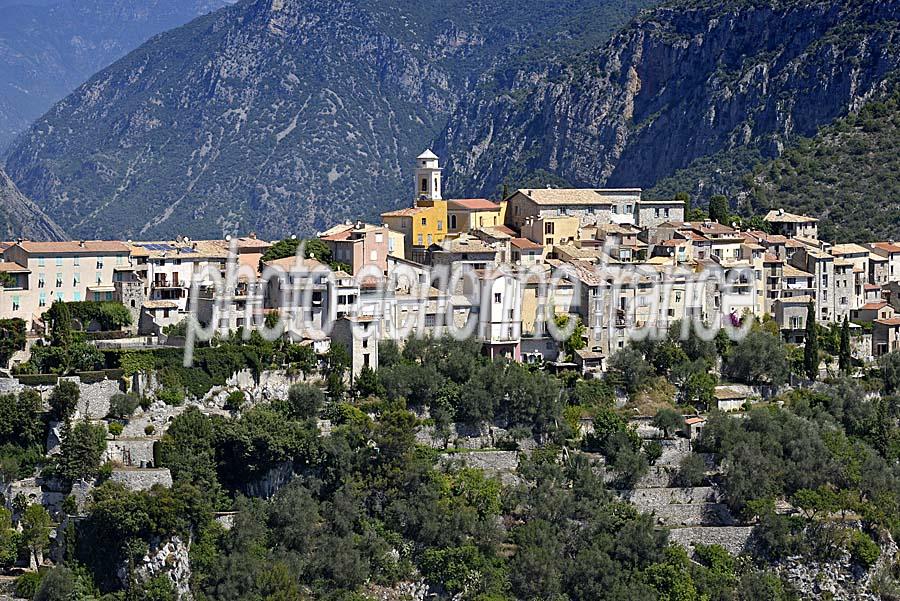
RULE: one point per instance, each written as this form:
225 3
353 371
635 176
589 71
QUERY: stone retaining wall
693 514
654 497
142 479
130 452
733 538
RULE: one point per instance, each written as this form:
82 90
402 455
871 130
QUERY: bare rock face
276 116
839 579
683 81
168 557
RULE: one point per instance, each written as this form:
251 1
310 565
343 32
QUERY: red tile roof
473 204
873 306
525 244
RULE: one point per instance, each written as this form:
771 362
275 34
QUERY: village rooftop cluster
507 273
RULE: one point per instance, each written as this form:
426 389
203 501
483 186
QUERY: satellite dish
228 238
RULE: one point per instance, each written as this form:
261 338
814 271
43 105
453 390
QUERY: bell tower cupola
428 177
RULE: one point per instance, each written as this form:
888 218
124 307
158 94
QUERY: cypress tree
811 347
844 349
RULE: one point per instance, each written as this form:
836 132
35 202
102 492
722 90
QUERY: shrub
171 396
863 550
149 429
235 400
691 471
27 585
115 428
304 401
122 406
64 400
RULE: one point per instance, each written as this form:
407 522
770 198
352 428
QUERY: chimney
252 236
81 243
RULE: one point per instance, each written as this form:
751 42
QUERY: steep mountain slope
848 176
281 115
49 47
21 218
682 82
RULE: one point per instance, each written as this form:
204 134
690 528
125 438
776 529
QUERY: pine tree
811 347
844 349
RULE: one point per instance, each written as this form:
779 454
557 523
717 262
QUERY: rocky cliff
280 116
21 218
681 82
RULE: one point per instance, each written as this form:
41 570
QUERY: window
99 262
419 240
430 240
452 222
59 280
498 298
424 184
41 278
15 303
59 261
548 241
424 221
40 261
549 227
99 278
379 238
109 296
60 296
480 221
76 261
42 299
76 297
440 225
119 259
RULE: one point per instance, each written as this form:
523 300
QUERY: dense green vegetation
368 506
847 176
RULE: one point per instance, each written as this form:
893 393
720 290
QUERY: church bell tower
428 177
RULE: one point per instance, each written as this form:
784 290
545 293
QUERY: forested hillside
682 83
848 176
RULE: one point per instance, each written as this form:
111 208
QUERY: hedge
92 377
37 379
107 335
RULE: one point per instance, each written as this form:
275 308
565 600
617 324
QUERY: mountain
21 218
283 116
702 84
49 47
848 176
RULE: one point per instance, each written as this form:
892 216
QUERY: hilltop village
721 382
779 266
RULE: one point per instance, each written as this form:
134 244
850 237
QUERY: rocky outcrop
838 579
21 218
682 82
168 557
